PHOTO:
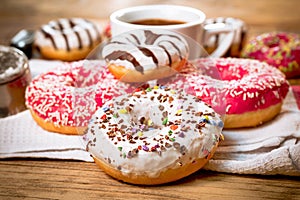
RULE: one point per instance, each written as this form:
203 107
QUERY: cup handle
218 28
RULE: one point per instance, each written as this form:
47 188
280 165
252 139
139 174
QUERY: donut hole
275 41
146 114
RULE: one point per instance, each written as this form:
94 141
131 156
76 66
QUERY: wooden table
58 179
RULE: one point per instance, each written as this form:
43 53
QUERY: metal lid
13 64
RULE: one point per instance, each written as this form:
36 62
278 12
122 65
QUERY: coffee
157 22
187 21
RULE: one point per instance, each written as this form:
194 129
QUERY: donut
279 49
252 91
142 55
67 39
153 136
63 99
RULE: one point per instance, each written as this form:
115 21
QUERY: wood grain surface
58 179
53 179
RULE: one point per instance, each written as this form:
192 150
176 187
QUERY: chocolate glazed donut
145 51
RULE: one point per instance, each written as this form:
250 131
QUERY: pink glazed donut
279 49
62 100
253 90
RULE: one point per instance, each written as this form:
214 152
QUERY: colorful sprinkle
165 121
145 148
179 111
149 123
173 127
105 109
140 133
181 134
123 111
221 124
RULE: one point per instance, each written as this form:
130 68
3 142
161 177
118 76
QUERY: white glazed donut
67 39
142 55
153 136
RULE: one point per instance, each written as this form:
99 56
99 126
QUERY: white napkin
272 148
20 136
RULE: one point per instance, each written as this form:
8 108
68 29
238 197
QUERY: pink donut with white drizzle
253 90
63 99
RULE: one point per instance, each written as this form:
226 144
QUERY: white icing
185 145
168 41
81 27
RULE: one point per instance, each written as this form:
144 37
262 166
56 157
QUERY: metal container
14 78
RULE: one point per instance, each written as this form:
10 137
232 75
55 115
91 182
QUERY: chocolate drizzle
49 36
151 39
123 55
60 26
148 53
166 51
135 38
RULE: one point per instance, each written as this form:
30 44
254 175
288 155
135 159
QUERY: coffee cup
185 20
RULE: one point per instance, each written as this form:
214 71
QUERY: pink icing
281 50
70 94
247 85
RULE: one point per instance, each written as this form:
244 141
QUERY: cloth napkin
20 136
272 148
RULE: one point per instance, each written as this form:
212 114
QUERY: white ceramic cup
121 21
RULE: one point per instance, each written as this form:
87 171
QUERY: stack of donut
161 133
52 96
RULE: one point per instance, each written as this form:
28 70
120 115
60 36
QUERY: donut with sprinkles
142 55
67 39
153 136
63 99
252 91
278 49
